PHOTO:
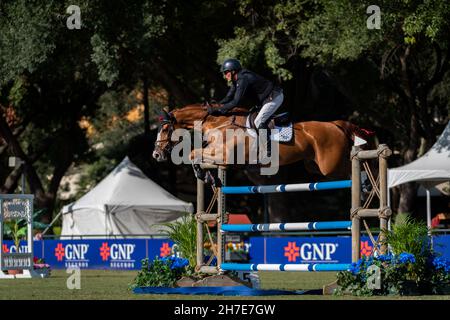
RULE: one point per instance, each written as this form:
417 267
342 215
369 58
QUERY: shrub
184 233
411 267
164 272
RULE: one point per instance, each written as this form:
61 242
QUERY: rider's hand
215 111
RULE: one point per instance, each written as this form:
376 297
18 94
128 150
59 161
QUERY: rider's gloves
216 111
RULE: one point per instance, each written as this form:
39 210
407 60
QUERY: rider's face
227 75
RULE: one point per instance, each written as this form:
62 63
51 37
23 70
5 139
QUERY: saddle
280 122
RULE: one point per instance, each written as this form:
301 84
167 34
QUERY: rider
247 83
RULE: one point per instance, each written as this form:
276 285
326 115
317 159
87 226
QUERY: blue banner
300 250
319 249
126 254
441 244
121 254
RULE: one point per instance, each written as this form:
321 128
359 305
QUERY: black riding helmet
231 65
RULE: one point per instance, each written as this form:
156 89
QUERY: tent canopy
432 168
125 202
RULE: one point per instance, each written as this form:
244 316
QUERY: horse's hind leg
335 167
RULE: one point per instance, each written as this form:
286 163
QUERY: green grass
106 284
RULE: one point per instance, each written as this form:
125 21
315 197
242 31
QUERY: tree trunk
408 191
16 149
407 197
11 182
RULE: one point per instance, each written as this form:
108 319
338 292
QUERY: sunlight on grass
106 284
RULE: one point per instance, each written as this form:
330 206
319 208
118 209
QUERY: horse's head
164 144
185 118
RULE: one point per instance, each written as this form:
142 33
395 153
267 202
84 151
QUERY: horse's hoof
210 179
366 187
217 183
200 175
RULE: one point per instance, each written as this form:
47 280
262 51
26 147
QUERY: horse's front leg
196 160
205 175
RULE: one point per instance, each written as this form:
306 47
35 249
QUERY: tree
399 76
54 81
47 87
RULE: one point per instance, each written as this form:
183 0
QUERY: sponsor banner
126 254
160 248
300 250
319 249
120 254
441 244
94 254
8 246
303 249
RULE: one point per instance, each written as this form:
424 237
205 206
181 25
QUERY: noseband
169 146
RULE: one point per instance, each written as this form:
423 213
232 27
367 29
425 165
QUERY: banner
126 254
120 254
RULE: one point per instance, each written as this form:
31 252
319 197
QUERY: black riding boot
269 145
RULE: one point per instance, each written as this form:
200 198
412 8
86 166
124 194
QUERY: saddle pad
280 134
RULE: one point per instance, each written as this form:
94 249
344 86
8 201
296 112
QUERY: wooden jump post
358 211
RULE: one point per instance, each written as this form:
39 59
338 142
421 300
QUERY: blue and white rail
299 226
315 186
303 267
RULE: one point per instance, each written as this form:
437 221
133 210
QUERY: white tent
431 169
126 202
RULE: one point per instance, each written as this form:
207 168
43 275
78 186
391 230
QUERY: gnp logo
13 248
317 252
119 255
74 254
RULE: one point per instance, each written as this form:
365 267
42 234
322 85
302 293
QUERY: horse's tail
352 131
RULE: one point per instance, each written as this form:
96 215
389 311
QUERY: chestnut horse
323 146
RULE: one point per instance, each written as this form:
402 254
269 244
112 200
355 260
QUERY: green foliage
27 36
16 229
245 46
400 272
338 29
125 30
184 233
53 77
275 61
163 272
366 63
106 57
408 235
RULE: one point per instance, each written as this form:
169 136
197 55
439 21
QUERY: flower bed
411 267
41 267
161 272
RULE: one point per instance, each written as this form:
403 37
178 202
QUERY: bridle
169 146
170 121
